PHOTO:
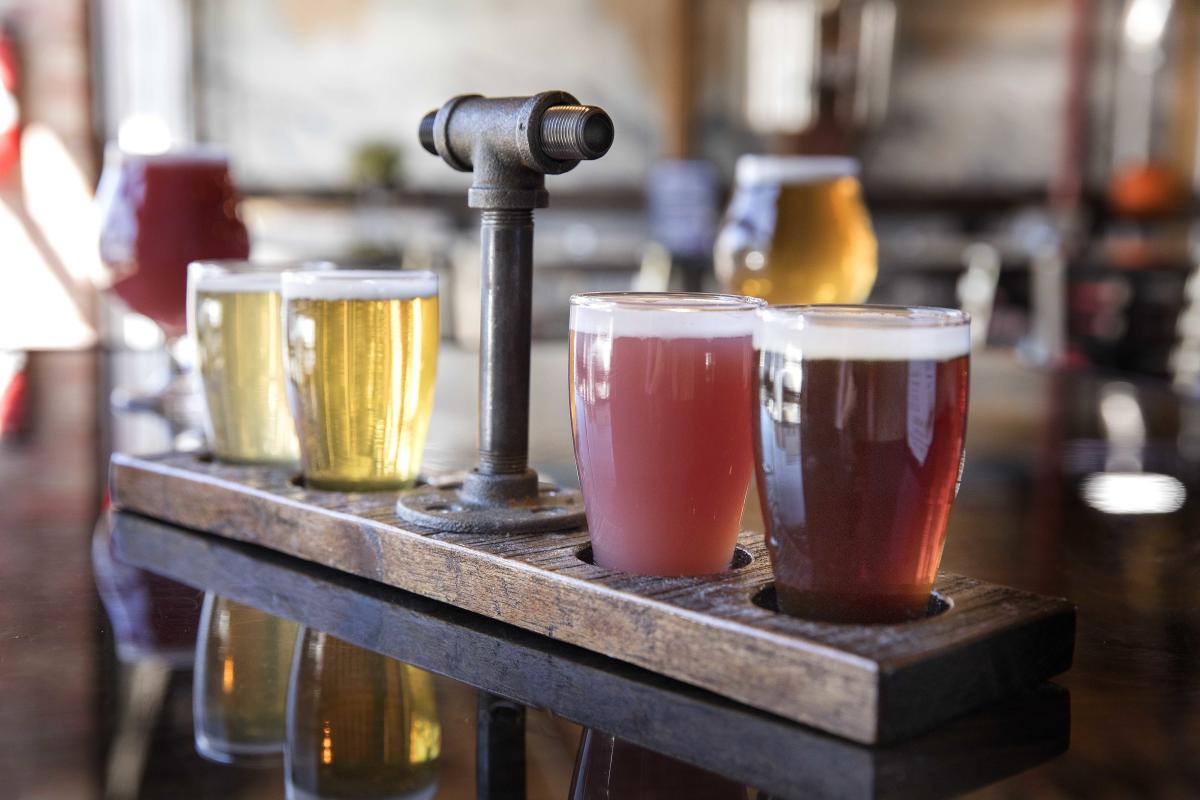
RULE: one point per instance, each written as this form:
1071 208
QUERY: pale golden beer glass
234 321
361 360
797 231
239 694
360 724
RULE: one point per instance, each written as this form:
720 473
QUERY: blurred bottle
797 232
608 768
239 700
360 725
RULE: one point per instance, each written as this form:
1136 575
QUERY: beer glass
234 320
797 231
661 423
239 694
360 725
859 425
361 359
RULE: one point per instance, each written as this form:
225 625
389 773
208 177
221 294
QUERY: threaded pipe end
425 132
574 133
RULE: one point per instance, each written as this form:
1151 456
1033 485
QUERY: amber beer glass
239 699
797 231
360 725
361 360
859 424
661 423
234 321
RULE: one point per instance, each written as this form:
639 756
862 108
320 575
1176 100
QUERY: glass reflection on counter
243 661
360 725
607 768
1125 487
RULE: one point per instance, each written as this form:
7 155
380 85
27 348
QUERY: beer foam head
755 169
360 284
864 333
233 275
664 315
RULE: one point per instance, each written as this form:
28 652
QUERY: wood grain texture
778 757
869 683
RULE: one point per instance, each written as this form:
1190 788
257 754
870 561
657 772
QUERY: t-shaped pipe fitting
510 144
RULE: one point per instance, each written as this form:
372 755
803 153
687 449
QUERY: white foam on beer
664 317
360 285
232 282
919 335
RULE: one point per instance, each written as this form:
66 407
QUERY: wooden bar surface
868 683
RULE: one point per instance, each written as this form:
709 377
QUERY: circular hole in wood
767 598
741 557
205 458
297 480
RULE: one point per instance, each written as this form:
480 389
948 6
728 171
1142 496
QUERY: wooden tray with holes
869 683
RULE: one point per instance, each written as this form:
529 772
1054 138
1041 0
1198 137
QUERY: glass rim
677 302
256 266
866 315
247 274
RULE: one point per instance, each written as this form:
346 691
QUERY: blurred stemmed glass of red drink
158 213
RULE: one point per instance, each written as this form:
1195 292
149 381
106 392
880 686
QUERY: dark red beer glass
860 413
158 214
660 387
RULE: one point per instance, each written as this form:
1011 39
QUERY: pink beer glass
661 416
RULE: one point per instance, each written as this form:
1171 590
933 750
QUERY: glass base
244 755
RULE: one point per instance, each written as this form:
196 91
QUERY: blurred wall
293 86
47 232
977 94
52 36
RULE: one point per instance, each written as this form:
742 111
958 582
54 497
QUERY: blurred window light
1133 493
781 50
58 197
1145 21
1121 415
146 134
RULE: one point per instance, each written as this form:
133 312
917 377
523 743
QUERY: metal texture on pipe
505 340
